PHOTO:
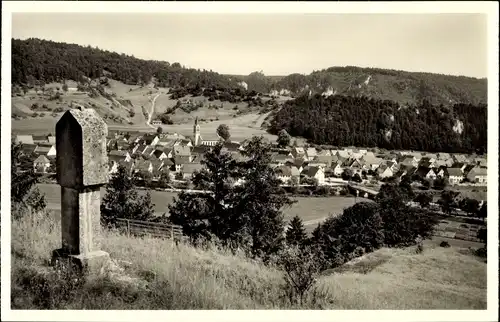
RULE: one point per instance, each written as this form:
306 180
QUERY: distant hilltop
48 61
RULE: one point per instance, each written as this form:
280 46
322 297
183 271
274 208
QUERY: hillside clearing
189 278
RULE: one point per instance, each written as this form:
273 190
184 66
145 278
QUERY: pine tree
213 210
296 233
123 201
259 200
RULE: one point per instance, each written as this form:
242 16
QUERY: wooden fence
147 228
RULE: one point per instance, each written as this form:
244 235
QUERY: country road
148 122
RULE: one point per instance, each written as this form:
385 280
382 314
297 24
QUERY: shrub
359 229
444 244
301 269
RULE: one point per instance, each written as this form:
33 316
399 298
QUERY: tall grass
189 278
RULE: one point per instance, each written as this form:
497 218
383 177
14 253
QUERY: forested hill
361 121
42 60
47 61
400 86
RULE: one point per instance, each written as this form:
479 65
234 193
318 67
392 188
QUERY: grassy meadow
190 278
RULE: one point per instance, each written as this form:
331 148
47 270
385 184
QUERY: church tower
196 133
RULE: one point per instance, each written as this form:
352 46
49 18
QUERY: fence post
172 235
128 228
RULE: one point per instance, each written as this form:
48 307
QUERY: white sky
453 44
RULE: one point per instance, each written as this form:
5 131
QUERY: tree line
43 61
367 122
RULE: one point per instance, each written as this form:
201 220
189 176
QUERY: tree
296 233
123 201
482 235
357 178
259 199
159 130
470 206
214 210
164 179
483 211
447 201
347 174
440 183
283 139
23 191
223 132
424 199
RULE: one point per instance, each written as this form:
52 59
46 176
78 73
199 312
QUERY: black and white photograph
163 159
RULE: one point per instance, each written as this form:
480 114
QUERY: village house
324 153
460 166
408 161
455 175
478 175
139 149
460 158
325 160
337 169
441 172
443 156
189 169
41 164
157 166
298 152
119 155
372 164
164 141
286 173
425 173
46 149
180 161
24 139
149 139
278 159
143 167
355 165
427 162
316 173
343 154
481 162
148 152
159 154
443 163
28 149
311 153
384 171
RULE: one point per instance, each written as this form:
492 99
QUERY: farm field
312 210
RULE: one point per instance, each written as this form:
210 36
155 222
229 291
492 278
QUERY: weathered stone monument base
82 169
90 263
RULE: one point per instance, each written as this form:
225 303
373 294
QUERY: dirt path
257 123
148 122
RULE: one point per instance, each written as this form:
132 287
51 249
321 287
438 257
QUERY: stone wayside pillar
82 168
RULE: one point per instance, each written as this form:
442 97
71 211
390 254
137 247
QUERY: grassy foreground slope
189 278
